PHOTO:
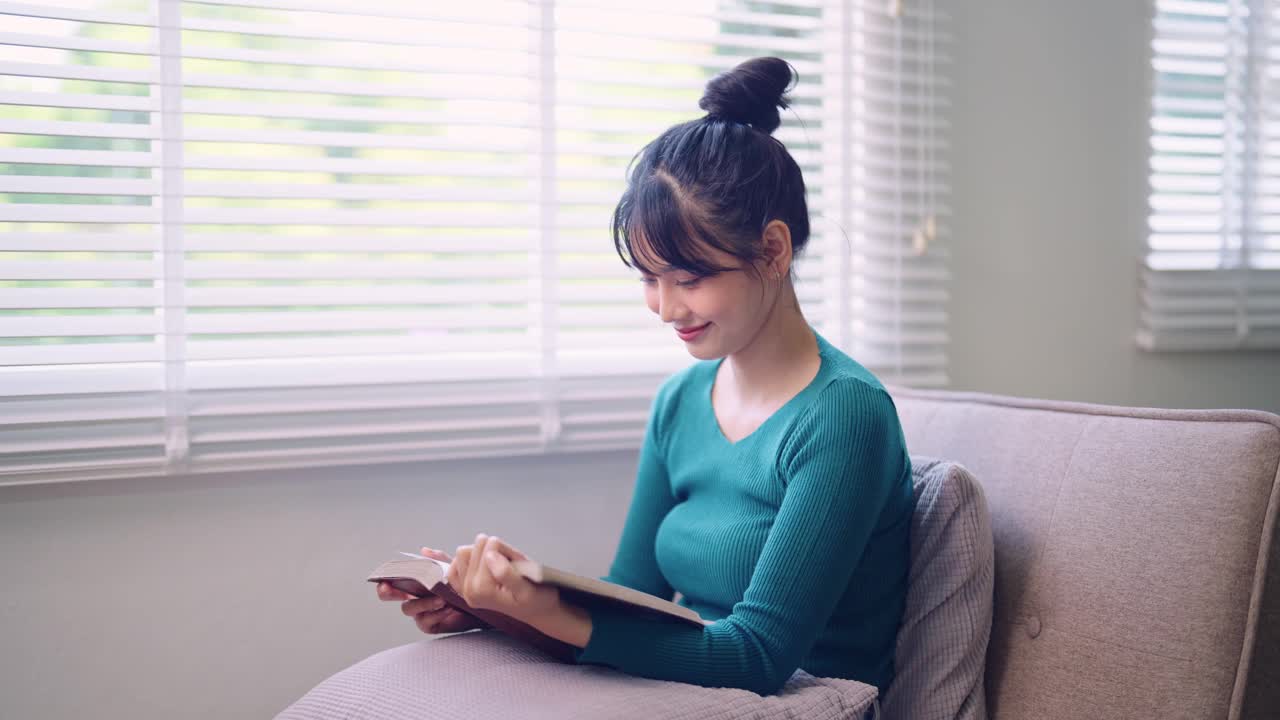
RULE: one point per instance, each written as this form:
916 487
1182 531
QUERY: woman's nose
668 304
671 309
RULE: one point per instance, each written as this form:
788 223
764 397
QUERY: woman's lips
691 333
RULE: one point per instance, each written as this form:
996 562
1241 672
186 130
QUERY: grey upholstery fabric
488 676
1132 552
1134 573
942 645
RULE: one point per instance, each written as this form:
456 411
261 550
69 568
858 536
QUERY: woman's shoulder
852 421
840 369
679 388
849 399
691 378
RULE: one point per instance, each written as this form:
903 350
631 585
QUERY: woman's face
713 316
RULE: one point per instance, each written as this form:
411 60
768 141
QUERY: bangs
656 229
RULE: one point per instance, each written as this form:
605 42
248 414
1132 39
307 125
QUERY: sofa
1134 573
1131 580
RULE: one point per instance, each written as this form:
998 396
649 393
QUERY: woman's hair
716 181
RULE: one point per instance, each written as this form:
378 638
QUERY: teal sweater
794 539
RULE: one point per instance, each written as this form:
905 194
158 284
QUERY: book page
593 589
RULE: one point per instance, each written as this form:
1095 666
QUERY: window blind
246 234
886 118
1211 270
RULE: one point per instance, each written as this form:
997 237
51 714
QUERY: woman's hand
483 574
431 614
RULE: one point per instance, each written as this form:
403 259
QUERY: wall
1051 104
230 596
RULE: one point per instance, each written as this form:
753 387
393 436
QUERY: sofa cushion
486 675
942 644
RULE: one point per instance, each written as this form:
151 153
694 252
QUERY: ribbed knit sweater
794 539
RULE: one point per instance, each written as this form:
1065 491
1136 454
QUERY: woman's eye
688 283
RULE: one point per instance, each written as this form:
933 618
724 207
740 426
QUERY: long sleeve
841 462
635 564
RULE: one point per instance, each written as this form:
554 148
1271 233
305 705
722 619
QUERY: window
245 234
1211 271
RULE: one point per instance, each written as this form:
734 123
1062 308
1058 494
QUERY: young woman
774 486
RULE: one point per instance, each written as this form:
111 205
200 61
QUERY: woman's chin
703 351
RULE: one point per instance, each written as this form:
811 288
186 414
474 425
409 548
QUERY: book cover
421 576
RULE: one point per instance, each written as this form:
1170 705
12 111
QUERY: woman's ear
776 243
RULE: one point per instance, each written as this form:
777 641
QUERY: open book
420 576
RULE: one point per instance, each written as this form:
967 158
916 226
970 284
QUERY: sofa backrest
1132 546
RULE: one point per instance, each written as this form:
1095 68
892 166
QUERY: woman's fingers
386 592
448 620
437 554
477 579
512 583
430 613
452 620
506 550
416 606
429 623
459 567
481 587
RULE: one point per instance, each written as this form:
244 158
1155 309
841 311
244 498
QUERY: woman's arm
841 465
635 563
567 623
488 580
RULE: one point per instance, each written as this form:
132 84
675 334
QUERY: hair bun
751 93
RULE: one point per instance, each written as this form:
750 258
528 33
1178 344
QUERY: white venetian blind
888 176
1211 271
626 72
270 233
82 293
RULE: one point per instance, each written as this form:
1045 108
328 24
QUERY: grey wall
1050 124
230 596
227 597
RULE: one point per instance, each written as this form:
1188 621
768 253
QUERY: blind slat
402 10
57 12
452 270
404 34
26 298
231 324
137 103
380 294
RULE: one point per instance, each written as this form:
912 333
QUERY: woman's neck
783 352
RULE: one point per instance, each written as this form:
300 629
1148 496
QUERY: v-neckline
711 406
